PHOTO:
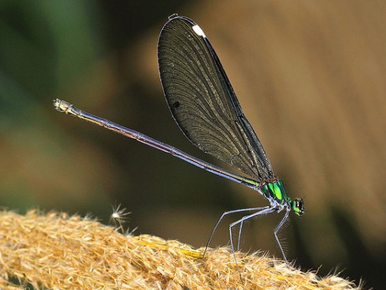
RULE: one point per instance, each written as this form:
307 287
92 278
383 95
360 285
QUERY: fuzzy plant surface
58 251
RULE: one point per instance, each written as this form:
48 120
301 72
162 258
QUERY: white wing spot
197 29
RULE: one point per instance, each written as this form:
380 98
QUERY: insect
205 107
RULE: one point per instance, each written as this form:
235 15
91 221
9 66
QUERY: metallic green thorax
276 191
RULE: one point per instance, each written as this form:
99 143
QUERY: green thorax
276 191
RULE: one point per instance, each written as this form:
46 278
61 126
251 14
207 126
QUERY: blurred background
310 76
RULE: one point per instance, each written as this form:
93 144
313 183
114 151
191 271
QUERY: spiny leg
239 236
227 213
260 211
277 229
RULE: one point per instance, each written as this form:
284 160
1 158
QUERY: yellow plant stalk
57 251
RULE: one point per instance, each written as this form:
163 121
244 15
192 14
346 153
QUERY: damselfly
204 105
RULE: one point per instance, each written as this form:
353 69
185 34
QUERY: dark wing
202 101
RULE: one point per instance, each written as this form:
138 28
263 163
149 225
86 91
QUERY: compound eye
298 206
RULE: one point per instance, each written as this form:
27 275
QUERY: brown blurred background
310 76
